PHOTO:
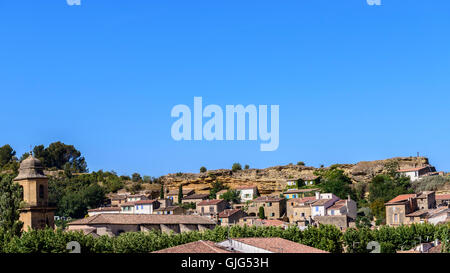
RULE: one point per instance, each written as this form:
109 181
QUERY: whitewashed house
247 193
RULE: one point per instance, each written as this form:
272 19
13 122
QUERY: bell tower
36 213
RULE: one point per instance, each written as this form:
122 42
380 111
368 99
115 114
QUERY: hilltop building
36 214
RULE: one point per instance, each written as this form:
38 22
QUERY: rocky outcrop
273 180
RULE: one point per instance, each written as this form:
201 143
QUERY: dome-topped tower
36 214
30 168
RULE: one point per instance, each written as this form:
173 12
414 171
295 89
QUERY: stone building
230 217
274 207
115 224
36 213
398 208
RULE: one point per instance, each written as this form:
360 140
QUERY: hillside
272 180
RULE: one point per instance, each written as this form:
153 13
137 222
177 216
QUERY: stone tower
36 213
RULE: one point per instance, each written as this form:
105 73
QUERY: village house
417 173
166 202
212 208
230 217
398 208
322 203
247 193
146 206
220 193
118 199
416 208
299 209
169 210
343 207
298 193
442 200
274 207
195 198
173 195
136 197
256 221
115 224
127 208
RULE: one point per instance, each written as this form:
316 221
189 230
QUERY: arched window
21 193
41 191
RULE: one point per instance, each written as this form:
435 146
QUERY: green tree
161 192
300 163
232 196
236 167
10 201
180 194
261 213
7 154
135 177
203 169
216 186
378 210
335 181
57 154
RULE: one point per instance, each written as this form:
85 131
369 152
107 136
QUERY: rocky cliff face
273 180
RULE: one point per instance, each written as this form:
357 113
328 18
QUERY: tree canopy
58 155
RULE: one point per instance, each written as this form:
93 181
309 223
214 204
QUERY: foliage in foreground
325 237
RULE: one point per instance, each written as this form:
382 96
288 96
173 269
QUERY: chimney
317 195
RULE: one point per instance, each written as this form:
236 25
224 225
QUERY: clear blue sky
354 82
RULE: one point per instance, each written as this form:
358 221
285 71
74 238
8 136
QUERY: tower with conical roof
36 212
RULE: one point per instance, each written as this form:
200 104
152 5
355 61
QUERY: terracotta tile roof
228 212
195 247
402 197
104 209
168 208
279 245
418 213
339 204
268 199
412 169
442 196
137 219
196 196
210 202
146 202
320 202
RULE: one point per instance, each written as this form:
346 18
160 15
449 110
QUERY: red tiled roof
210 202
142 219
401 197
442 196
412 169
145 202
339 204
279 245
196 196
195 247
228 212
303 200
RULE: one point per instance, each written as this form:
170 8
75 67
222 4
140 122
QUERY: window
41 191
211 209
137 207
395 218
272 214
317 209
303 214
269 204
332 212
142 206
